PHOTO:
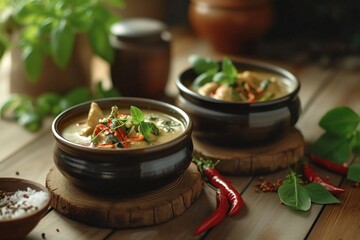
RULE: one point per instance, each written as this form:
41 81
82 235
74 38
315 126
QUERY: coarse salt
20 203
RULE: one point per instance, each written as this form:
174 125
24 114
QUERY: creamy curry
122 128
249 86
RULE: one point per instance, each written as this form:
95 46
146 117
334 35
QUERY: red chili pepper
118 135
233 195
100 127
312 176
217 180
217 216
329 165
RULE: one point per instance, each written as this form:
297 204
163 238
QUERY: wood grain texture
340 221
147 209
255 160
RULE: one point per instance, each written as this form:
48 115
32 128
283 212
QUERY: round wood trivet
254 160
139 210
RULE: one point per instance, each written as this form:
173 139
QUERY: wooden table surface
323 86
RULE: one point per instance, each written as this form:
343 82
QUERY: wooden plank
340 221
15 137
56 226
183 226
32 161
342 88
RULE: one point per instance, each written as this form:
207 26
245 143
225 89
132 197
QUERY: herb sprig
146 128
341 139
209 70
30 112
296 195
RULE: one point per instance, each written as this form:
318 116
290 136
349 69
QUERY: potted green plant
54 35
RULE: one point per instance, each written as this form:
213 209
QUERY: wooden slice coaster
254 160
145 209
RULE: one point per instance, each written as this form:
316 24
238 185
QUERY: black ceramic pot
123 171
235 123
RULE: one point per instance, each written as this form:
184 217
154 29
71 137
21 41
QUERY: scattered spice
17 173
43 236
265 185
57 230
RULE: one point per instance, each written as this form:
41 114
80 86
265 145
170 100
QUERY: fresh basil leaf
331 147
229 69
355 144
354 172
154 129
62 41
203 78
137 115
293 194
221 77
319 195
340 121
81 17
201 64
145 129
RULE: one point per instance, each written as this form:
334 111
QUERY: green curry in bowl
122 128
227 83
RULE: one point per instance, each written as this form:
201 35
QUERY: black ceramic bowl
234 123
123 171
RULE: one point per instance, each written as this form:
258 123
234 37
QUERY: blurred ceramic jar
142 58
231 26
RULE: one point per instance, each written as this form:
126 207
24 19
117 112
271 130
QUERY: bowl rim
267 67
29 183
188 125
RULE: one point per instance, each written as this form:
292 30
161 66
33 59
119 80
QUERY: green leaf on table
340 121
62 40
319 195
293 194
332 147
354 172
201 64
